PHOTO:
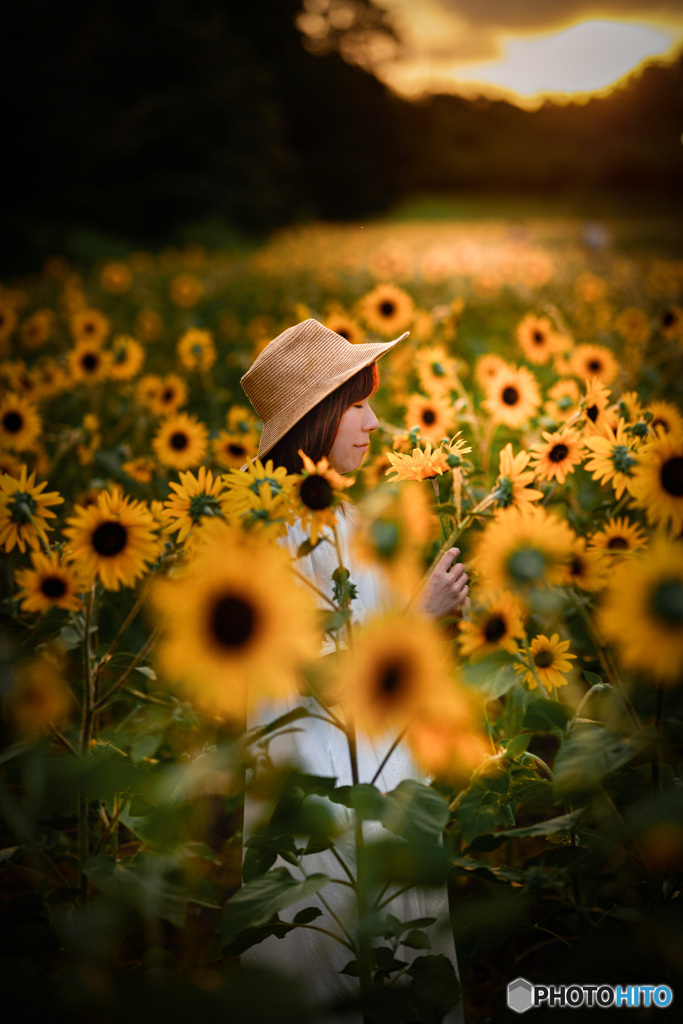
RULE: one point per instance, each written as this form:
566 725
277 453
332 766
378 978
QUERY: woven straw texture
298 369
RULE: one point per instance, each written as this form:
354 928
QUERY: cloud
532 15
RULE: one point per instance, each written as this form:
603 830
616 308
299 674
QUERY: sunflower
420 464
557 455
49 584
127 357
618 536
671 323
116 277
346 326
51 379
320 491
552 661
196 349
666 417
261 496
186 290
170 395
524 549
513 483
613 458
633 325
241 420
20 424
398 667
594 361
630 409
587 568
596 415
141 469
387 309
88 362
40 696
448 742
642 612
37 328
148 324
237 627
536 338
395 526
657 484
89 325
147 388
433 416
232 450
487 368
112 539
24 511
195 499
492 626
436 371
180 441
512 397
563 399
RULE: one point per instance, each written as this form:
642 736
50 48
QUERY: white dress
321 749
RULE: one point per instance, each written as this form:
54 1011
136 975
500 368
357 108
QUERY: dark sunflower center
660 423
53 587
510 395
428 417
390 679
12 421
316 492
527 565
577 566
543 659
342 333
237 450
594 365
232 622
672 476
617 544
167 395
538 338
667 602
120 355
89 328
669 318
89 362
495 629
23 506
558 452
592 413
179 441
387 308
109 539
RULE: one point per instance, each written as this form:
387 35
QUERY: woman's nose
371 421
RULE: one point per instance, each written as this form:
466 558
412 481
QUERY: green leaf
332 621
71 636
518 744
592 678
306 547
144 884
307 915
493 676
277 723
146 670
393 860
591 753
544 828
416 939
414 811
261 898
365 799
545 716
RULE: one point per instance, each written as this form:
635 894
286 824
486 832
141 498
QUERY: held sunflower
112 539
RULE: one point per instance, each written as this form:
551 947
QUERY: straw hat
298 369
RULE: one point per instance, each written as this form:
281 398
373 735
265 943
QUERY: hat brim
360 356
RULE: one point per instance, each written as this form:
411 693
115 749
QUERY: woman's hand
447 589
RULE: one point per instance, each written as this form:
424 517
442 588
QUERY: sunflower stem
317 590
364 948
388 754
125 676
142 596
87 720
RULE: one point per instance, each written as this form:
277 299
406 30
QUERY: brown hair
316 430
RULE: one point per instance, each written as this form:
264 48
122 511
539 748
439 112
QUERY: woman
312 390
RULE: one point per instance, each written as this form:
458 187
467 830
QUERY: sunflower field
534 419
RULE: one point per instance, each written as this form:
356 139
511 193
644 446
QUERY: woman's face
353 437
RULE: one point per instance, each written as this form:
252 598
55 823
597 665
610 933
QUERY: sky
526 50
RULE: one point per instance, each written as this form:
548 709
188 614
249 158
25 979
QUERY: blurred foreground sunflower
666 417
642 613
236 625
449 742
523 550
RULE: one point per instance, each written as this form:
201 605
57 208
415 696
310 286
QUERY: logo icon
520 995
